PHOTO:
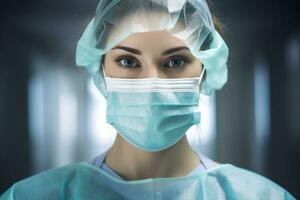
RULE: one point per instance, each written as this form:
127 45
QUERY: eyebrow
138 52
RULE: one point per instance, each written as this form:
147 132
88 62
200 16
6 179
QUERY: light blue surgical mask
153 113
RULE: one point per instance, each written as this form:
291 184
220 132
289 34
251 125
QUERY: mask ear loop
200 80
198 127
104 76
103 71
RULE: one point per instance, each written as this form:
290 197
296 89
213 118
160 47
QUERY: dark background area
255 30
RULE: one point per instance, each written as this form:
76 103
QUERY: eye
176 62
127 62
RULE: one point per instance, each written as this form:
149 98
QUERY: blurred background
51 114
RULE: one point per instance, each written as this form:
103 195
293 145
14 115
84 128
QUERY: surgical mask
153 113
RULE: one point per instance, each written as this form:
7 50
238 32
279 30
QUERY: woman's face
155 54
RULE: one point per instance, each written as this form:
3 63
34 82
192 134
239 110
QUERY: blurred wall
265 34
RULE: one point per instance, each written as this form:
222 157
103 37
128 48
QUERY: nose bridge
152 70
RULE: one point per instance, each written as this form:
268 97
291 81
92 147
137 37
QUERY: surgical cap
188 20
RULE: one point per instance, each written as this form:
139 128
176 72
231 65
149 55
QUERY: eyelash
182 58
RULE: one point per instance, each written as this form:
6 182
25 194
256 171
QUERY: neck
132 163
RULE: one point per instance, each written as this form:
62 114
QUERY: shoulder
248 184
44 184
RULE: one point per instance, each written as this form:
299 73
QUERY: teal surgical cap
188 20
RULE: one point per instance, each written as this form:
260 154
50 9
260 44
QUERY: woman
151 59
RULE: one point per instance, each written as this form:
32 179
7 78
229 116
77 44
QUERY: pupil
129 62
176 63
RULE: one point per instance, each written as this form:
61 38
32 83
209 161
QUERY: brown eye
127 62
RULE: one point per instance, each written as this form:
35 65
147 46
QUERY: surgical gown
86 180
